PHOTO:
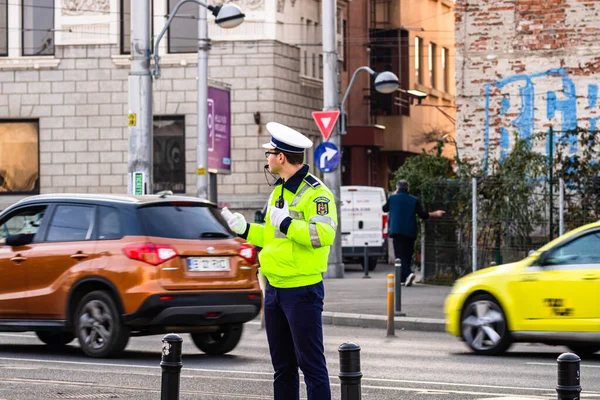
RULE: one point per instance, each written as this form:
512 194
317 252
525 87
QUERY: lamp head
386 82
228 15
417 94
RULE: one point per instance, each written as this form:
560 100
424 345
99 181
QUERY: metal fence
494 221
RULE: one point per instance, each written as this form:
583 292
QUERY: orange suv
103 268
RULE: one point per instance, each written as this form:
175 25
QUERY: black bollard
171 366
350 374
569 384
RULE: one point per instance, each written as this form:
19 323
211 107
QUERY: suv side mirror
19 240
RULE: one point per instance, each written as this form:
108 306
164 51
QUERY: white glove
279 214
236 221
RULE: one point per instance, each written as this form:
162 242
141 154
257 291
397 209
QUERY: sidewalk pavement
355 301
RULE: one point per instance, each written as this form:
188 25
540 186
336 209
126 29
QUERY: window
345 46
4 28
71 223
183 222
126 25
183 32
109 223
169 154
432 65
38 27
305 63
19 149
26 220
583 250
418 64
445 69
314 65
320 66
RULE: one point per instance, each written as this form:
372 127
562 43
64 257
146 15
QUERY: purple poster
219 131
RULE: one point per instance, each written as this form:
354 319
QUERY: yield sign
326 121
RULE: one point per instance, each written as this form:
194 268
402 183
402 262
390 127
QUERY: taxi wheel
484 327
55 339
583 350
98 326
220 342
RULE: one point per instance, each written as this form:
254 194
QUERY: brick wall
524 66
82 110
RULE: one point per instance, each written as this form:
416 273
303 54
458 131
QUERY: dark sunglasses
267 153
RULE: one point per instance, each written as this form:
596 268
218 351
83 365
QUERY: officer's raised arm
319 226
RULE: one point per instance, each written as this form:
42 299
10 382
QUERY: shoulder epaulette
312 181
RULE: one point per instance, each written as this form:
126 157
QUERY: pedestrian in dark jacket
402 226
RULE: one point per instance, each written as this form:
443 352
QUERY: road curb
380 321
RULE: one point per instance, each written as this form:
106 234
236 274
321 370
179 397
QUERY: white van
363 224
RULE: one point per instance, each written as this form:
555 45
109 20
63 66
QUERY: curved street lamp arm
343 116
167 24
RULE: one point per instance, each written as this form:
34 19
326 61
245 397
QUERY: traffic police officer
295 245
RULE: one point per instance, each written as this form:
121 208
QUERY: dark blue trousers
295 334
404 246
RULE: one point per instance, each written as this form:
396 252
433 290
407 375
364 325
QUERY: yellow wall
436 18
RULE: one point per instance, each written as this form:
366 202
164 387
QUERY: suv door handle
590 277
18 259
79 255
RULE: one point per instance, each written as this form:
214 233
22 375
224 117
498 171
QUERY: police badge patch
322 205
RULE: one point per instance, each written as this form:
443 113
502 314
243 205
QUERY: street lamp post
385 82
226 16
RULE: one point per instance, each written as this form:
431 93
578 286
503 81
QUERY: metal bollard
398 286
366 262
390 305
171 366
568 385
350 374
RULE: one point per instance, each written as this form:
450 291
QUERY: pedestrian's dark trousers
295 334
404 246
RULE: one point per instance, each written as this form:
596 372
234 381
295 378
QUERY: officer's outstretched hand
236 221
279 214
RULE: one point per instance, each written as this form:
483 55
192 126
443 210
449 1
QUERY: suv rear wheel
55 339
220 342
98 326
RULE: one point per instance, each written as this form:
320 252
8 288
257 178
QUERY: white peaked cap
287 139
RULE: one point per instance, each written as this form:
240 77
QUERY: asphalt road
413 365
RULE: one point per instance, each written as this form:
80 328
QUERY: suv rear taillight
150 253
384 223
248 252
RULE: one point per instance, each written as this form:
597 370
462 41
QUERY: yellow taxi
552 297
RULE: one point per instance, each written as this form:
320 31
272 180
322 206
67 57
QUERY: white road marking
254 373
554 364
23 335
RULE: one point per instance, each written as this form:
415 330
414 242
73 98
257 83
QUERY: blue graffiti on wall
522 111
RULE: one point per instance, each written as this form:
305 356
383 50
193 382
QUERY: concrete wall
524 66
80 94
81 105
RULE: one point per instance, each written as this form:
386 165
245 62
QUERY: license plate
208 264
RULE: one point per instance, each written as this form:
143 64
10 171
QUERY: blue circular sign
327 156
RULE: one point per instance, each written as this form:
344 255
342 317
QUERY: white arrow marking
328 155
326 122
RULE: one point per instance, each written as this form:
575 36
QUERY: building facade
524 67
64 67
415 40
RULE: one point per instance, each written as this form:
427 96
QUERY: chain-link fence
508 217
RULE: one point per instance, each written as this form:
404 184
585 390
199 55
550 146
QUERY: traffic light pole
333 179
